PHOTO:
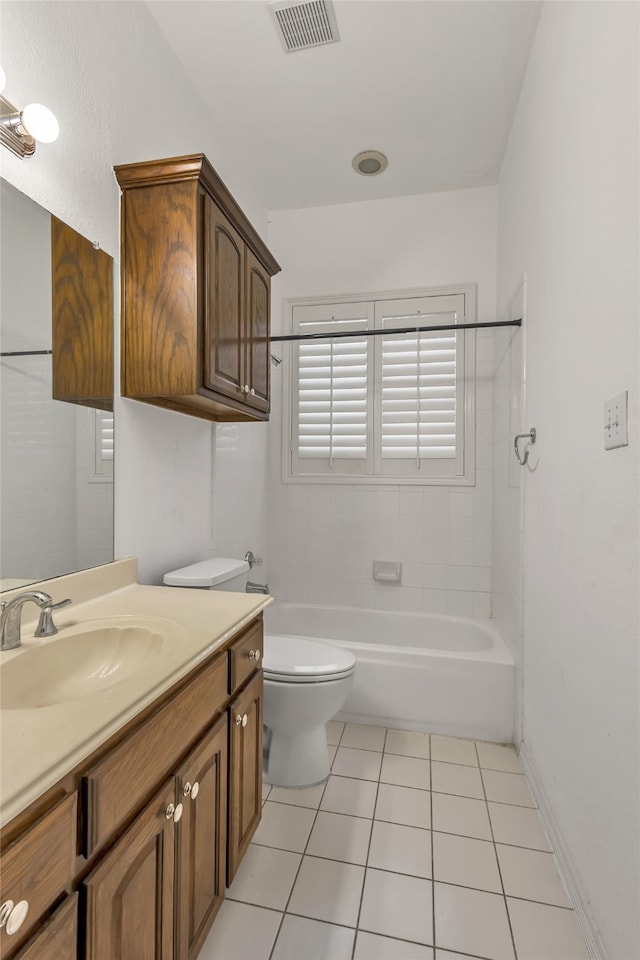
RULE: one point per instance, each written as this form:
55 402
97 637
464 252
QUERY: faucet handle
46 627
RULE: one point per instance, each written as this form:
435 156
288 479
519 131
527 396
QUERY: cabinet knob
5 910
191 790
17 917
253 393
241 720
245 389
177 813
254 655
169 812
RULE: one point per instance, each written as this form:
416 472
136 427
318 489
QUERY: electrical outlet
616 432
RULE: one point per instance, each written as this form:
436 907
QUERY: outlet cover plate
616 431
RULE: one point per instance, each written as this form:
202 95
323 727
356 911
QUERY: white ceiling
433 84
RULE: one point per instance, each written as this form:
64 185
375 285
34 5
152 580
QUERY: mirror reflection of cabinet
82 319
56 459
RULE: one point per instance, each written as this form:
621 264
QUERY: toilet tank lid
206 573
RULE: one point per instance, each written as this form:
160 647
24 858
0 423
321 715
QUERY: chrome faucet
11 614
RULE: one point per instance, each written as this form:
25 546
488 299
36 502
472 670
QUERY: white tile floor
417 847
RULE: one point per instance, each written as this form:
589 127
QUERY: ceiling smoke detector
369 163
305 23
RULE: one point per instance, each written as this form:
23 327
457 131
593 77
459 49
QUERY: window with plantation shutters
103 446
390 407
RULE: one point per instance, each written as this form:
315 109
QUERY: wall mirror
56 340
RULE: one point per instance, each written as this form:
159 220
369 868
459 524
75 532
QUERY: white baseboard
585 920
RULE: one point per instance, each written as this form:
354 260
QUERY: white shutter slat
332 393
418 396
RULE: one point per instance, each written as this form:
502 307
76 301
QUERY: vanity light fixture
20 129
370 163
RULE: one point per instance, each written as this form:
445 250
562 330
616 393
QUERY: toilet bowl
306 682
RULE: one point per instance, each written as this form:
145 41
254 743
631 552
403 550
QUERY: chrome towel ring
522 436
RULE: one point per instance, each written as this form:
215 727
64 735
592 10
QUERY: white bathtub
449 675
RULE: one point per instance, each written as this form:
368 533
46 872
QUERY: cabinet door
245 771
130 894
202 840
224 329
58 939
258 355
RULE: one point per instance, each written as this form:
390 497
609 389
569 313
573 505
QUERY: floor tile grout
365 867
495 851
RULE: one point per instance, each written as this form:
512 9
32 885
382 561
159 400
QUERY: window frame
422 477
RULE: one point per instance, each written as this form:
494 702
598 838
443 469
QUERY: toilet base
297 761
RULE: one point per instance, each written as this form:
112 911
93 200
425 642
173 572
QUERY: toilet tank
217 573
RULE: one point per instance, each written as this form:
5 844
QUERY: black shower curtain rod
26 353
382 333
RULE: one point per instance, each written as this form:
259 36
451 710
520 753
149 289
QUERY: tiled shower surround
417 847
323 538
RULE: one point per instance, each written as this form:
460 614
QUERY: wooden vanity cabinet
139 870
195 293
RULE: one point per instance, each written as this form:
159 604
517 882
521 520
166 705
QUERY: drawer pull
5 910
195 790
241 720
254 655
17 917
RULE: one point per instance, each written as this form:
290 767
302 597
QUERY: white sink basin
86 662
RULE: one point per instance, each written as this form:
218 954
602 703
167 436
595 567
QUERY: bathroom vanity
127 851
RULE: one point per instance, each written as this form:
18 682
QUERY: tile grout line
366 860
372 820
295 879
495 850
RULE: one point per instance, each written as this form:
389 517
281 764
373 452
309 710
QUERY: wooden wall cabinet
139 870
82 319
195 293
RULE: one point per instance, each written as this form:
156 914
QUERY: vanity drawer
58 939
130 773
38 867
245 656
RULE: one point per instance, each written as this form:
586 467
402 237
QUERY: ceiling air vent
305 23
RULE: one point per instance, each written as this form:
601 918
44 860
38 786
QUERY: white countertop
40 745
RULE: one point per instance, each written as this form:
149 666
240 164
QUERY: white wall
120 95
569 219
323 539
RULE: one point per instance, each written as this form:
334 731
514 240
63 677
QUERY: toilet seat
289 659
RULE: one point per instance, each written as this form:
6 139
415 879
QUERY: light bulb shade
3 79
40 123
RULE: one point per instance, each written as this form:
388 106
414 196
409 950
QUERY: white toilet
306 682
